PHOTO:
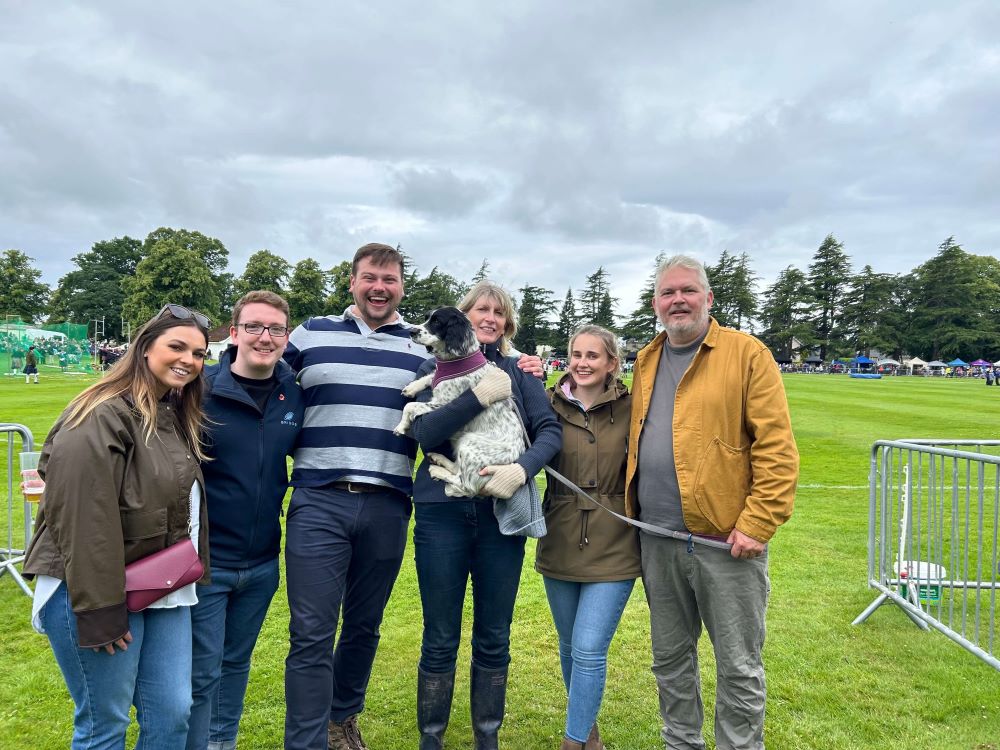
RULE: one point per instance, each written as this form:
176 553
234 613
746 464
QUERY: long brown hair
131 377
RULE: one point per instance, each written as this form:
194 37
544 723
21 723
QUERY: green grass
883 684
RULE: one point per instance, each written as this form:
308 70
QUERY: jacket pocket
143 524
721 485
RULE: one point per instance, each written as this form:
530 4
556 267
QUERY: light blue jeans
586 616
153 674
225 624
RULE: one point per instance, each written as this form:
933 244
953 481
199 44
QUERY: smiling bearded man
711 454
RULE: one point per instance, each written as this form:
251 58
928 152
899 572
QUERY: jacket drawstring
583 528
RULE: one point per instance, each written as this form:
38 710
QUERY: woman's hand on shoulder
532 365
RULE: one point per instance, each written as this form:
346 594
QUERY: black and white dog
494 436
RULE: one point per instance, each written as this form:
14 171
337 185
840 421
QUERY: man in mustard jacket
711 454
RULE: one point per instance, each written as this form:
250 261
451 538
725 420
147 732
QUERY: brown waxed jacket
584 543
111 498
736 459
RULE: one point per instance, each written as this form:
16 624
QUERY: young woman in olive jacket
122 481
589 559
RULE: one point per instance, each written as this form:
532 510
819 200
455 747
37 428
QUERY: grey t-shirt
659 495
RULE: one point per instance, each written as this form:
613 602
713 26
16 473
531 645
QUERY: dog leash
647 527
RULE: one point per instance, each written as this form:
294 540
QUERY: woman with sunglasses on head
121 467
589 559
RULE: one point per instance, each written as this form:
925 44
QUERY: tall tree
483 273
306 290
606 312
340 297
785 314
264 270
640 328
93 290
591 298
870 320
567 321
533 326
212 252
829 275
170 273
21 292
734 285
956 297
424 294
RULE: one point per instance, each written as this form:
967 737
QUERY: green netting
62 347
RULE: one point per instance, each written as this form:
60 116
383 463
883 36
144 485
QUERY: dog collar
454 368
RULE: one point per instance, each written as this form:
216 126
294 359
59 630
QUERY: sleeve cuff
99 627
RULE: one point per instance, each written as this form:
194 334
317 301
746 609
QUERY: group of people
700 456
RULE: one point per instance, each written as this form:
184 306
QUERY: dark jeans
454 541
341 548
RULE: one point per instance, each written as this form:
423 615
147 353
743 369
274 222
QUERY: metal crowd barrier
11 556
933 521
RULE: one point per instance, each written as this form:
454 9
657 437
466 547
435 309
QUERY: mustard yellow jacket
737 464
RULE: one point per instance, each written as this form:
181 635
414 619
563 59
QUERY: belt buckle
351 488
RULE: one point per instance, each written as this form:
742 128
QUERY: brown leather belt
357 488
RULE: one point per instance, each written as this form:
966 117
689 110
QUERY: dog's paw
413 389
400 429
439 460
456 490
440 473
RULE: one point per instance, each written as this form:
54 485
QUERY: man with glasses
254 410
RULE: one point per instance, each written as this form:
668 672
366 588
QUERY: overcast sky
548 137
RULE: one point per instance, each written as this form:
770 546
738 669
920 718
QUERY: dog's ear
456 330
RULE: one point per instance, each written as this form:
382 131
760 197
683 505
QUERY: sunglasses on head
182 313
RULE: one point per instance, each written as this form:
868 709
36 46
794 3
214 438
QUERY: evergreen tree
591 300
829 275
482 274
437 289
640 328
567 322
956 297
869 320
532 318
784 314
733 284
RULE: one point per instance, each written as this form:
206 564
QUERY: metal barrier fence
933 521
11 555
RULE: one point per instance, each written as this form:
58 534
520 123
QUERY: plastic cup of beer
32 484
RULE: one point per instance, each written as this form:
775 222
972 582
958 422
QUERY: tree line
946 307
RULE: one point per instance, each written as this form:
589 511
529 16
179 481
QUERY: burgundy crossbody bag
153 577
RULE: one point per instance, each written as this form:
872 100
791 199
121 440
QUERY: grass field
883 684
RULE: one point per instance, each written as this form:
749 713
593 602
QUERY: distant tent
862 360
957 363
888 363
814 360
980 363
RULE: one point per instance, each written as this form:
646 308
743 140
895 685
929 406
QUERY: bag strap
688 537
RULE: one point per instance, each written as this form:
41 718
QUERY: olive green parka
583 542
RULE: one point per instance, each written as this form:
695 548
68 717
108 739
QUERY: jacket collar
711 340
613 392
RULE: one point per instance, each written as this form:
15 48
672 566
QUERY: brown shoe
594 740
568 744
345 735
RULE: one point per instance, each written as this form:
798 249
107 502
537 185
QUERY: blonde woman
589 559
121 467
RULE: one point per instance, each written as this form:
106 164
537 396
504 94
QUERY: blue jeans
225 624
341 548
452 542
153 674
586 617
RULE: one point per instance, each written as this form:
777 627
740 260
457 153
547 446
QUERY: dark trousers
341 549
454 541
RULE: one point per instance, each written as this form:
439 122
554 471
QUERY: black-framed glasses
255 329
182 313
